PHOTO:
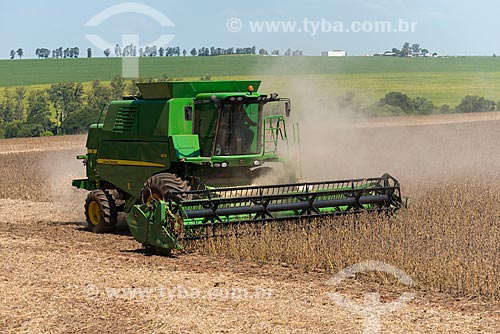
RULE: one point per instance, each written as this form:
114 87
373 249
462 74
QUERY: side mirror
288 108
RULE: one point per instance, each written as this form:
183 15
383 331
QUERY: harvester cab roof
169 90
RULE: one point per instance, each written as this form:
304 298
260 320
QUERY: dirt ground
55 277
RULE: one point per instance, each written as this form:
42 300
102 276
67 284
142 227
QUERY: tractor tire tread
110 214
165 183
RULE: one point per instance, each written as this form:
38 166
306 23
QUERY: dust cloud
339 144
59 168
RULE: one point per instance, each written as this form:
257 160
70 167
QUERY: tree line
153 51
30 114
46 53
407 50
400 104
68 108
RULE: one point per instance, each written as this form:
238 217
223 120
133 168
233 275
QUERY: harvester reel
100 211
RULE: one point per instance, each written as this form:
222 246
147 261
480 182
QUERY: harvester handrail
306 185
236 199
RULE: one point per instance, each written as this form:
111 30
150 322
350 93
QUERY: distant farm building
334 53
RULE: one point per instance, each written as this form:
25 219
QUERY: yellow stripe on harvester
128 163
91 151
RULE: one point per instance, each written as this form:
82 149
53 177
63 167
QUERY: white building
334 53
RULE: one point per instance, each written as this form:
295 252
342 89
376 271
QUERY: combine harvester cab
181 158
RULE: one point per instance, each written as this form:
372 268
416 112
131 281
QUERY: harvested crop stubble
40 169
20 177
18 145
446 241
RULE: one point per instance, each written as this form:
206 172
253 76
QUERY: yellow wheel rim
94 213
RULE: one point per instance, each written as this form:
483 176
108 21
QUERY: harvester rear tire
160 187
100 212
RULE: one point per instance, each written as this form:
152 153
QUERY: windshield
238 131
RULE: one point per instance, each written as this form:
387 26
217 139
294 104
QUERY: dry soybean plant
447 240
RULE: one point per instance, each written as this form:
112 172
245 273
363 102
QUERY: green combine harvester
181 159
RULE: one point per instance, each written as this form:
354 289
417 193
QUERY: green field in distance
444 80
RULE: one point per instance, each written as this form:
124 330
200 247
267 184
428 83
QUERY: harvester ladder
274 129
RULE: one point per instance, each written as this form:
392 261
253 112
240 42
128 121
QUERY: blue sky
446 26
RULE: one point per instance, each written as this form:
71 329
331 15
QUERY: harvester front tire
100 212
160 187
